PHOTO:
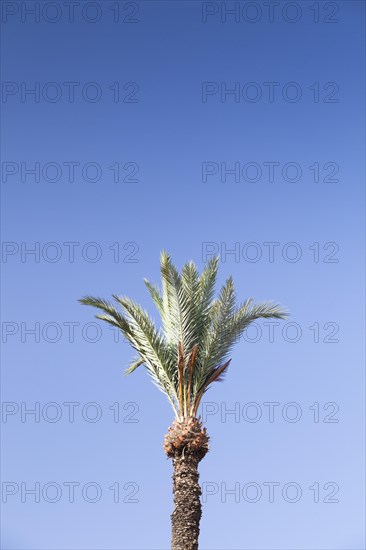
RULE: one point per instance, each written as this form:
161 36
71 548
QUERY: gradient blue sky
169 133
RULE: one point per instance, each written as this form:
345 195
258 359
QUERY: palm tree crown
191 350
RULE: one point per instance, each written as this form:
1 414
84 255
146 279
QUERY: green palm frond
191 350
171 315
112 316
134 365
155 294
151 346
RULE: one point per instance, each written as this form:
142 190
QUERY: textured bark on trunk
186 443
187 505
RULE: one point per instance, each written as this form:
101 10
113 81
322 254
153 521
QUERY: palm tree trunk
187 505
186 443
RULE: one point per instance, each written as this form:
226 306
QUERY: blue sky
134 125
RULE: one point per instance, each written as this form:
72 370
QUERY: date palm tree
184 357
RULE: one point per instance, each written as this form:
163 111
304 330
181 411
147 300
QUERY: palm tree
184 358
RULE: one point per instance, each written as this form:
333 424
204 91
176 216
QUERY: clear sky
178 125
